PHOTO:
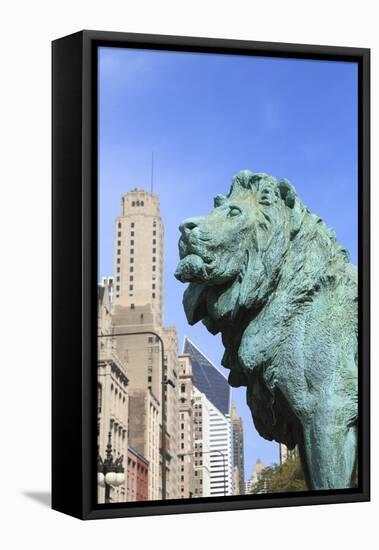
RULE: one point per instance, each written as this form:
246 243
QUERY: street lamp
110 472
165 382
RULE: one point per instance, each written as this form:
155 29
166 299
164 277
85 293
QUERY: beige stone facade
138 307
144 434
142 353
285 453
171 409
138 268
112 394
186 428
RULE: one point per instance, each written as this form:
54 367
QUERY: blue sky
207 116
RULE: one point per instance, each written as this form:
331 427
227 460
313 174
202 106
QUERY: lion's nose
188 225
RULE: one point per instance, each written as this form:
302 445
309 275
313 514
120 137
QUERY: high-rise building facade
208 379
201 445
137 476
251 483
138 308
186 428
221 453
213 385
238 453
138 267
112 394
171 410
285 453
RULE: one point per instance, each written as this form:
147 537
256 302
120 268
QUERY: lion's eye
234 211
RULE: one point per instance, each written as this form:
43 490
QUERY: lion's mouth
194 265
192 268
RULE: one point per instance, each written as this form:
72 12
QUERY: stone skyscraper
138 308
138 267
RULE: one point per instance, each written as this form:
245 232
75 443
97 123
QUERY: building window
132 260
131 269
130 287
118 243
183 388
153 267
118 251
154 258
117 288
131 278
154 241
132 224
133 203
119 234
153 286
118 260
132 251
99 398
182 447
132 233
118 279
118 270
153 295
142 203
131 306
132 243
154 233
154 250
119 225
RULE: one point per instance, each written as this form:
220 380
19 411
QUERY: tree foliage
286 477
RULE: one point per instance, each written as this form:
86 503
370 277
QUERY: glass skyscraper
208 379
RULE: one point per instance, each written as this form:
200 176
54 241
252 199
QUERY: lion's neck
313 264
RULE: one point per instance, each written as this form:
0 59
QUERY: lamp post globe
101 479
120 478
110 478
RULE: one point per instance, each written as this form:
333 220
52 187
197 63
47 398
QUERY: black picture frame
74 271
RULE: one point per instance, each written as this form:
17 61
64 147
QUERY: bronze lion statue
269 276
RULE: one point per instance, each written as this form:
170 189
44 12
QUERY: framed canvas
210 275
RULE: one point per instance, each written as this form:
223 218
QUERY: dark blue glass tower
208 379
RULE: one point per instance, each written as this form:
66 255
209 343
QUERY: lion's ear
287 192
219 200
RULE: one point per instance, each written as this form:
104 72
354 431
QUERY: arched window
183 388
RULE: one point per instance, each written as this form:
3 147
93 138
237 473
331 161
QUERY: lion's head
232 257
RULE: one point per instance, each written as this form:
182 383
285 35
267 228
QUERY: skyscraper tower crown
138 272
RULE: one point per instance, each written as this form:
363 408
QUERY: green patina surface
271 278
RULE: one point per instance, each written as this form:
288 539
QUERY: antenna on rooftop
152 172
